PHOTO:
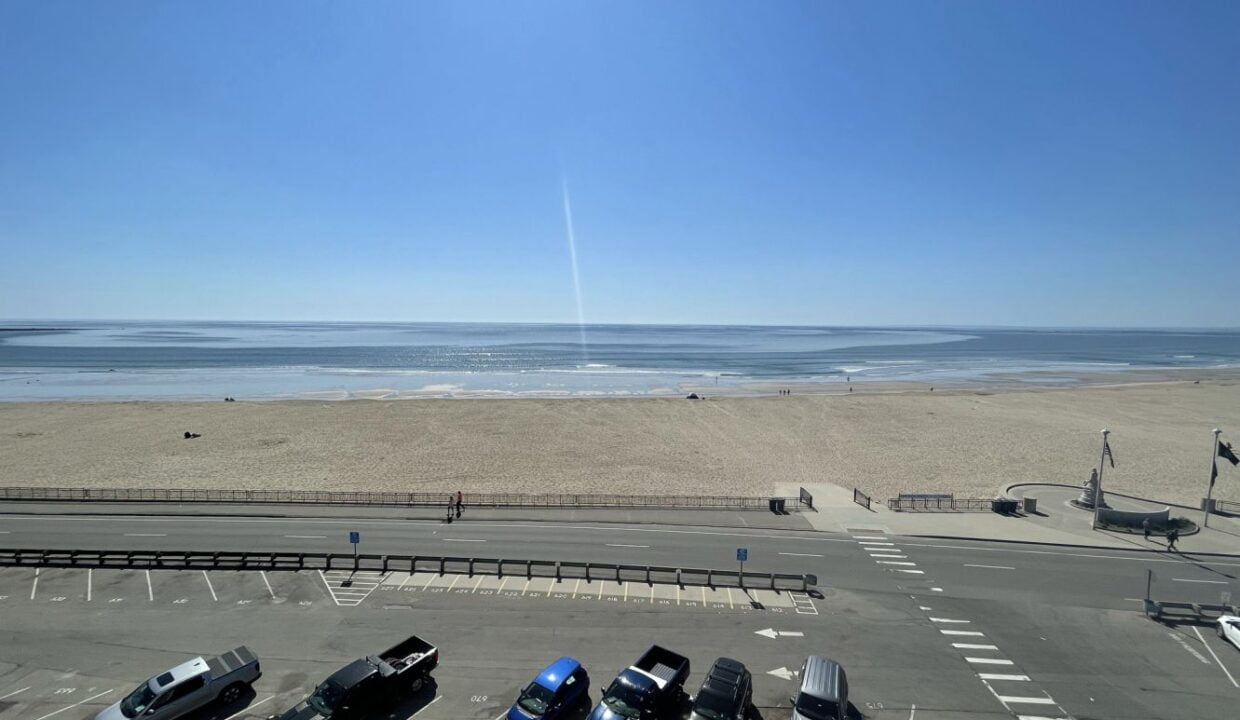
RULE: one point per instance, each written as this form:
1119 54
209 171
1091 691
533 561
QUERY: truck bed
407 653
663 666
230 662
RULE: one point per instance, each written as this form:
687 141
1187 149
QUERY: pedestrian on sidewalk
449 507
1172 536
1145 527
458 504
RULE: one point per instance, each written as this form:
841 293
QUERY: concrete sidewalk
1057 521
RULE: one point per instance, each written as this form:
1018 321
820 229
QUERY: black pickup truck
649 688
365 684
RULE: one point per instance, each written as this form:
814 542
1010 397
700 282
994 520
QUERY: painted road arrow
783 673
773 633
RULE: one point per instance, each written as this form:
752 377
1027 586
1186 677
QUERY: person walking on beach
458 504
1145 527
1172 536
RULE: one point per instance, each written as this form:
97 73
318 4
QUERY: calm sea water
148 360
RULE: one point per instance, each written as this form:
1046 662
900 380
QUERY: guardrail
407 499
939 503
1227 506
500 567
861 498
1155 609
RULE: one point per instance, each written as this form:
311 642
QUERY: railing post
678 582
618 581
710 578
442 562
471 567
499 569
529 569
648 576
772 581
557 572
587 572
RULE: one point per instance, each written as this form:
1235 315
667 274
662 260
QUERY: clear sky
965 162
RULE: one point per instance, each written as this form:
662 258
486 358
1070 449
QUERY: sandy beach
968 442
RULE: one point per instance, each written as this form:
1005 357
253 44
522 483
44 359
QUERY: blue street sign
355 537
742 554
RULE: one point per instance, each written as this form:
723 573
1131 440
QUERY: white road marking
267 582
431 579
1216 660
869 537
1208 582
936 589
1184 644
910 572
260 702
974 646
22 690
34 586
146 534
894 557
872 542
626 546
70 707
912 713
991 567
4 532
306 537
948 620
1026 700
210 587
150 591
895 562
1037 717
527 587
504 582
90 580
801 554
1000 676
964 633
989 661
475 588
461 540
456 579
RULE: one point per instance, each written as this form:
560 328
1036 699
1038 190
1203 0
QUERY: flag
1213 471
1225 451
1106 452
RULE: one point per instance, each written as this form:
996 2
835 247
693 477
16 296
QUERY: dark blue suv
554 693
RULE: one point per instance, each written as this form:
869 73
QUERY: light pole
1098 488
1205 521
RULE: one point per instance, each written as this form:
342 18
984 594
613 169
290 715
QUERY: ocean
68 360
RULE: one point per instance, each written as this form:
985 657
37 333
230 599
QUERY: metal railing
940 503
861 498
404 499
499 567
806 499
1227 506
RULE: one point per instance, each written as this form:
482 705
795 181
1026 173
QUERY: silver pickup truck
188 686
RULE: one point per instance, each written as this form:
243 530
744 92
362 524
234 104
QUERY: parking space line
1000 676
910 572
210 586
600 590
475 588
1216 660
576 586
731 605
1208 582
260 702
1026 700
431 579
989 661
146 534
70 707
973 646
991 567
801 554
35 585
947 620
651 593
455 579
968 633
896 562
89 582
897 557
703 596
871 542
22 690
527 586
150 591
502 583
267 583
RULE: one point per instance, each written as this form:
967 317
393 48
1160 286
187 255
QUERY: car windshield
712 706
535 699
623 701
816 708
326 698
137 701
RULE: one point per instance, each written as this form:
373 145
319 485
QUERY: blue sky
1015 163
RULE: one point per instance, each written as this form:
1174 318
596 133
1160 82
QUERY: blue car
554 693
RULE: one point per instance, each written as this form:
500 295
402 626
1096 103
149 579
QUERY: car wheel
231 693
1219 629
417 684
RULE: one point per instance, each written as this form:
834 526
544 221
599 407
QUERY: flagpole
1205 521
1098 488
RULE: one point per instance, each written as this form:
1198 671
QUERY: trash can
779 505
1003 506
1031 505
772 505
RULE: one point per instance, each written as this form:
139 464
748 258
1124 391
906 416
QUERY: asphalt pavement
927 628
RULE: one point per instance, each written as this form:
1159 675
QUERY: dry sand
967 442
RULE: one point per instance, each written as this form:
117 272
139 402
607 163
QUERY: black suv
726 694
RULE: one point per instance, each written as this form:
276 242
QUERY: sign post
742 554
355 537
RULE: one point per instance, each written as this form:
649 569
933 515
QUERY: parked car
824 691
1229 629
649 688
562 686
726 694
363 685
188 686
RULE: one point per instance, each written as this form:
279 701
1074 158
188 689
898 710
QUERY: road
929 628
